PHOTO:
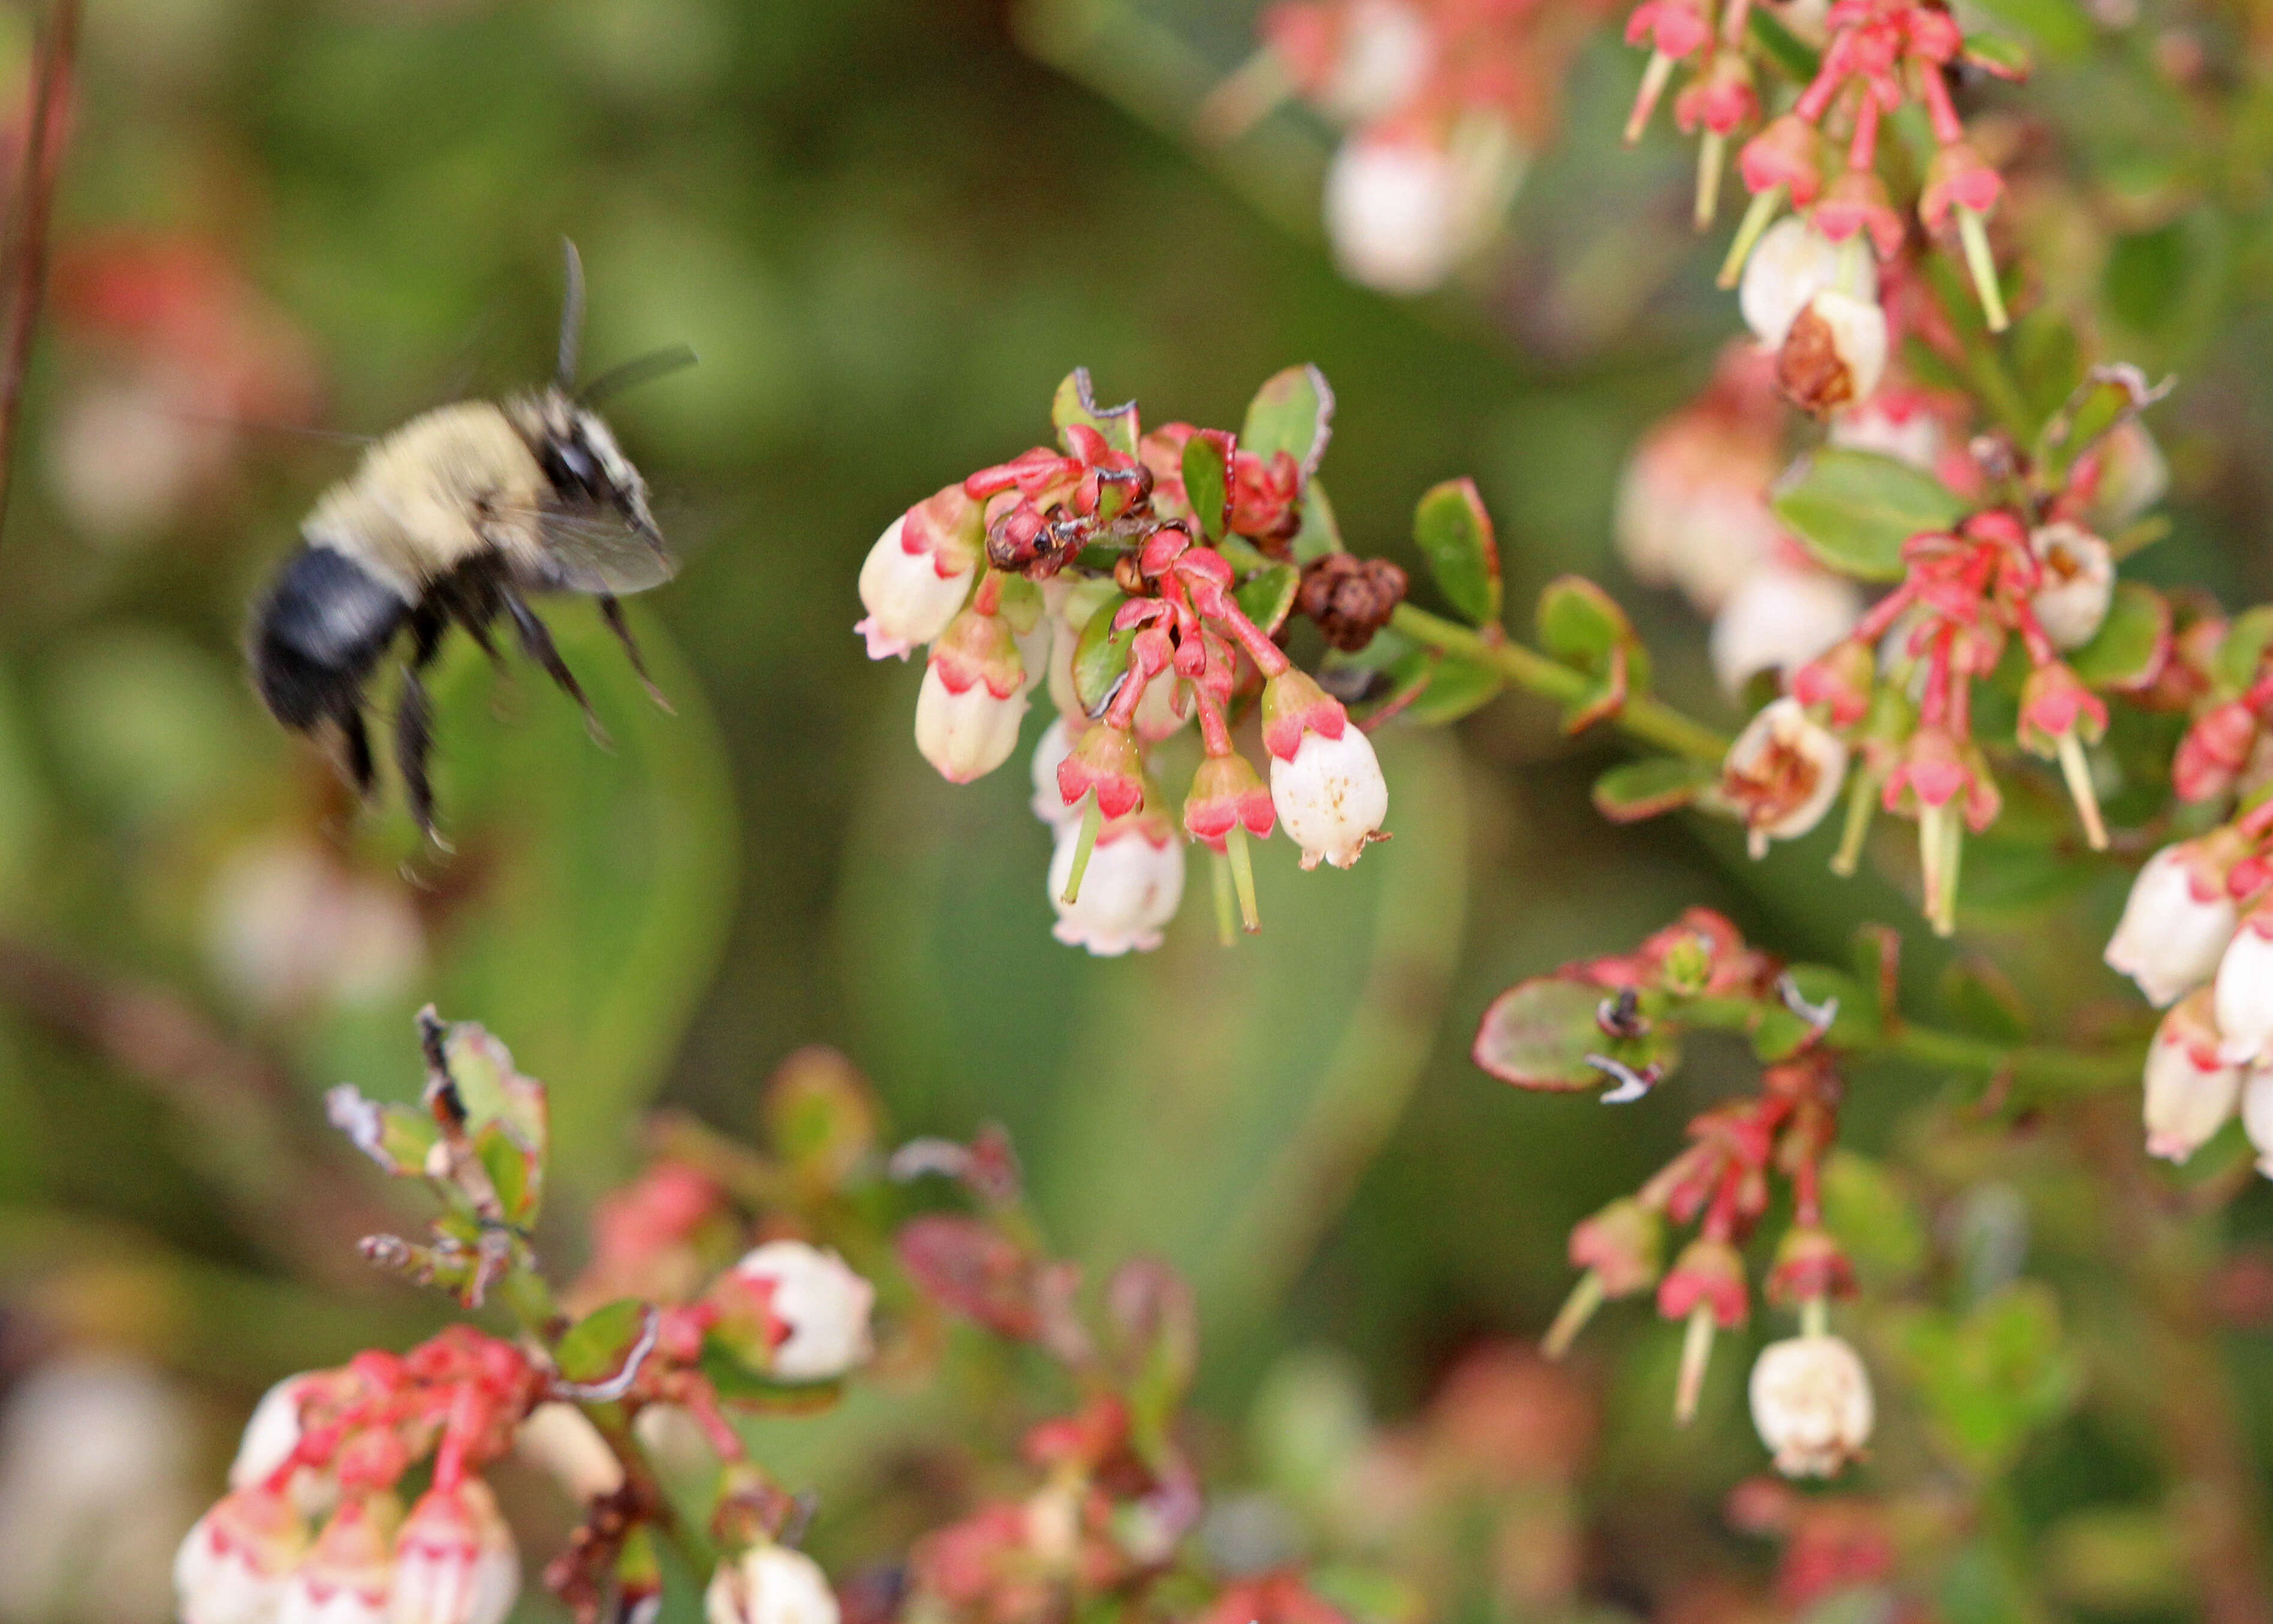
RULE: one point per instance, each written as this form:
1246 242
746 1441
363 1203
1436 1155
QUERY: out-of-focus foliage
889 232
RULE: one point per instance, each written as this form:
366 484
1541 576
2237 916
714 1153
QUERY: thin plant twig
52 68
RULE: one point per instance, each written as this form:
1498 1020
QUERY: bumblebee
459 517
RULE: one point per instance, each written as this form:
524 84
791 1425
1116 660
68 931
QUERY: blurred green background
888 230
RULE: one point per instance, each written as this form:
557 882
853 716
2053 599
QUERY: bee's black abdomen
322 628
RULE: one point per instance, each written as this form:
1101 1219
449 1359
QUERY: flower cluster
1442 102
1820 155
1810 1396
1145 578
668 1329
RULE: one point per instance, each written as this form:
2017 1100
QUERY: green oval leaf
2128 649
1650 787
1538 1034
1293 412
1455 536
1100 656
1207 483
596 1347
1855 509
1075 403
1267 596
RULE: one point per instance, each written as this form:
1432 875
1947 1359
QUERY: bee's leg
612 613
361 769
414 725
536 643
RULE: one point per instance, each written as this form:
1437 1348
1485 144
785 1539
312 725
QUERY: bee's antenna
572 315
639 369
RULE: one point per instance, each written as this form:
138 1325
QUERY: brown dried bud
1834 354
1350 597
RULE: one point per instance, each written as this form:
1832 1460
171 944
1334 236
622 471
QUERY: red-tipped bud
1623 1245
1708 1273
1787 153
1227 792
1809 1265
1842 679
1958 177
2214 751
1104 759
1858 201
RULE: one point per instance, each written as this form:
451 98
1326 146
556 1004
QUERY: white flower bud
1330 797
2190 1091
348 1577
770 1584
819 1302
454 1562
1386 50
2257 1117
2079 583
2134 475
1054 745
560 1440
1811 1403
1790 266
2175 926
908 602
271 1434
1835 353
2245 991
1782 773
1390 207
966 735
232 1565
1779 619
1130 891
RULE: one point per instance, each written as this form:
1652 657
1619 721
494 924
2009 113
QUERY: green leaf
2108 397
1994 1377
397 1137
1267 596
1650 787
1539 1034
1075 403
1855 509
2243 649
1451 685
1790 53
1293 412
596 1346
1207 484
513 1170
746 1390
1870 1215
1583 626
1455 536
2061 28
1320 534
1100 656
820 1117
1994 54
2128 649
1982 999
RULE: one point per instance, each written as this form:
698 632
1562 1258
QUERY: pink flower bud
454 1562
1810 1265
349 1576
1958 177
1710 1275
815 1309
1623 1245
1787 153
1842 679
1104 759
2214 751
1778 619
2190 1088
1721 98
233 1565
919 573
1782 774
2079 583
2054 702
770 1584
2244 990
2179 920
1858 201
1671 28
1226 793
1325 781
1811 1403
973 697
1129 893
1792 263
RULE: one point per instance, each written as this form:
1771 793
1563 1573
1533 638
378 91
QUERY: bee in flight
459 516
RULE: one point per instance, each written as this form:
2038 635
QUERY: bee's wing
594 550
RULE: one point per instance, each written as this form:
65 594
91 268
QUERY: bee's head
581 458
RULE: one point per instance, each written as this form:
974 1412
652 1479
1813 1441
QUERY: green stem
1651 721
2045 1068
